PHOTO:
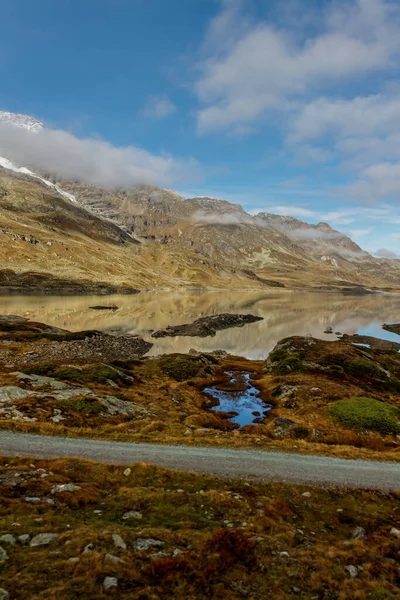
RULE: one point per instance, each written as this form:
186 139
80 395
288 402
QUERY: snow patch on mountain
6 164
33 125
24 121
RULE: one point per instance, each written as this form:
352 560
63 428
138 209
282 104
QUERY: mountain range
58 234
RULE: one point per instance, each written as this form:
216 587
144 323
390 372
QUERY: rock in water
394 328
207 326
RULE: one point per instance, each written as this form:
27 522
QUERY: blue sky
290 107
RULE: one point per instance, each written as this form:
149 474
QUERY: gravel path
270 466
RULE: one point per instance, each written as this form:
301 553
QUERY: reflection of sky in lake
243 402
375 330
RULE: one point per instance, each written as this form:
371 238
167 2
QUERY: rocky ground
75 529
340 398
207 326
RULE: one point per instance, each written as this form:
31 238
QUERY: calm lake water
285 313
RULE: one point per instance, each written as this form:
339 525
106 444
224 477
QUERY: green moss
278 355
44 369
367 413
88 406
291 364
335 370
68 373
364 368
181 367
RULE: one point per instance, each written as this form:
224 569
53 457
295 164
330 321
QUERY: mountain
151 237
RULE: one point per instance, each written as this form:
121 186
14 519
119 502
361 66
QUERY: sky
286 107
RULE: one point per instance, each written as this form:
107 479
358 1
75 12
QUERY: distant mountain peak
24 121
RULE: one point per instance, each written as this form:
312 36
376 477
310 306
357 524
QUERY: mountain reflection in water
285 314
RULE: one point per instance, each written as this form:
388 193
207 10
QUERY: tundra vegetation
335 398
77 529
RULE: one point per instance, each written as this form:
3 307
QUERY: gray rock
57 416
24 538
283 427
110 582
7 538
146 543
3 555
115 406
352 570
158 555
395 532
33 499
73 560
65 487
43 539
4 595
132 514
113 559
118 541
358 533
11 393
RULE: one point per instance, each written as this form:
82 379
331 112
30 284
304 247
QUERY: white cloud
359 233
360 117
91 160
159 107
268 68
293 211
384 253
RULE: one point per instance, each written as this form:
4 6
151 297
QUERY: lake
285 313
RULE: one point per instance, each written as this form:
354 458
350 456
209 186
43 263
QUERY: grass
172 408
367 413
220 538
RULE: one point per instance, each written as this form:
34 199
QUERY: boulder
43 539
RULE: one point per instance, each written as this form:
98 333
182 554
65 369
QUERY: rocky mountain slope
147 237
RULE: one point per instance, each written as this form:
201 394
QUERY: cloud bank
92 160
159 107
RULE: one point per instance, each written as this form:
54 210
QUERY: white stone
395 532
352 570
65 487
118 541
110 582
132 514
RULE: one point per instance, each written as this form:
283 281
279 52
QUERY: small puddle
243 402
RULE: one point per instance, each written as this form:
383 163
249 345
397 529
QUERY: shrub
88 406
300 432
232 546
181 367
364 368
166 568
291 364
335 370
367 413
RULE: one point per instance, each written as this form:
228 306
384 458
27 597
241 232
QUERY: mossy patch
367 413
181 367
292 363
88 406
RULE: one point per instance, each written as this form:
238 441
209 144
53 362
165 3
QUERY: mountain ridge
175 241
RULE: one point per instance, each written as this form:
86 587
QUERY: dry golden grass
235 539
172 408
